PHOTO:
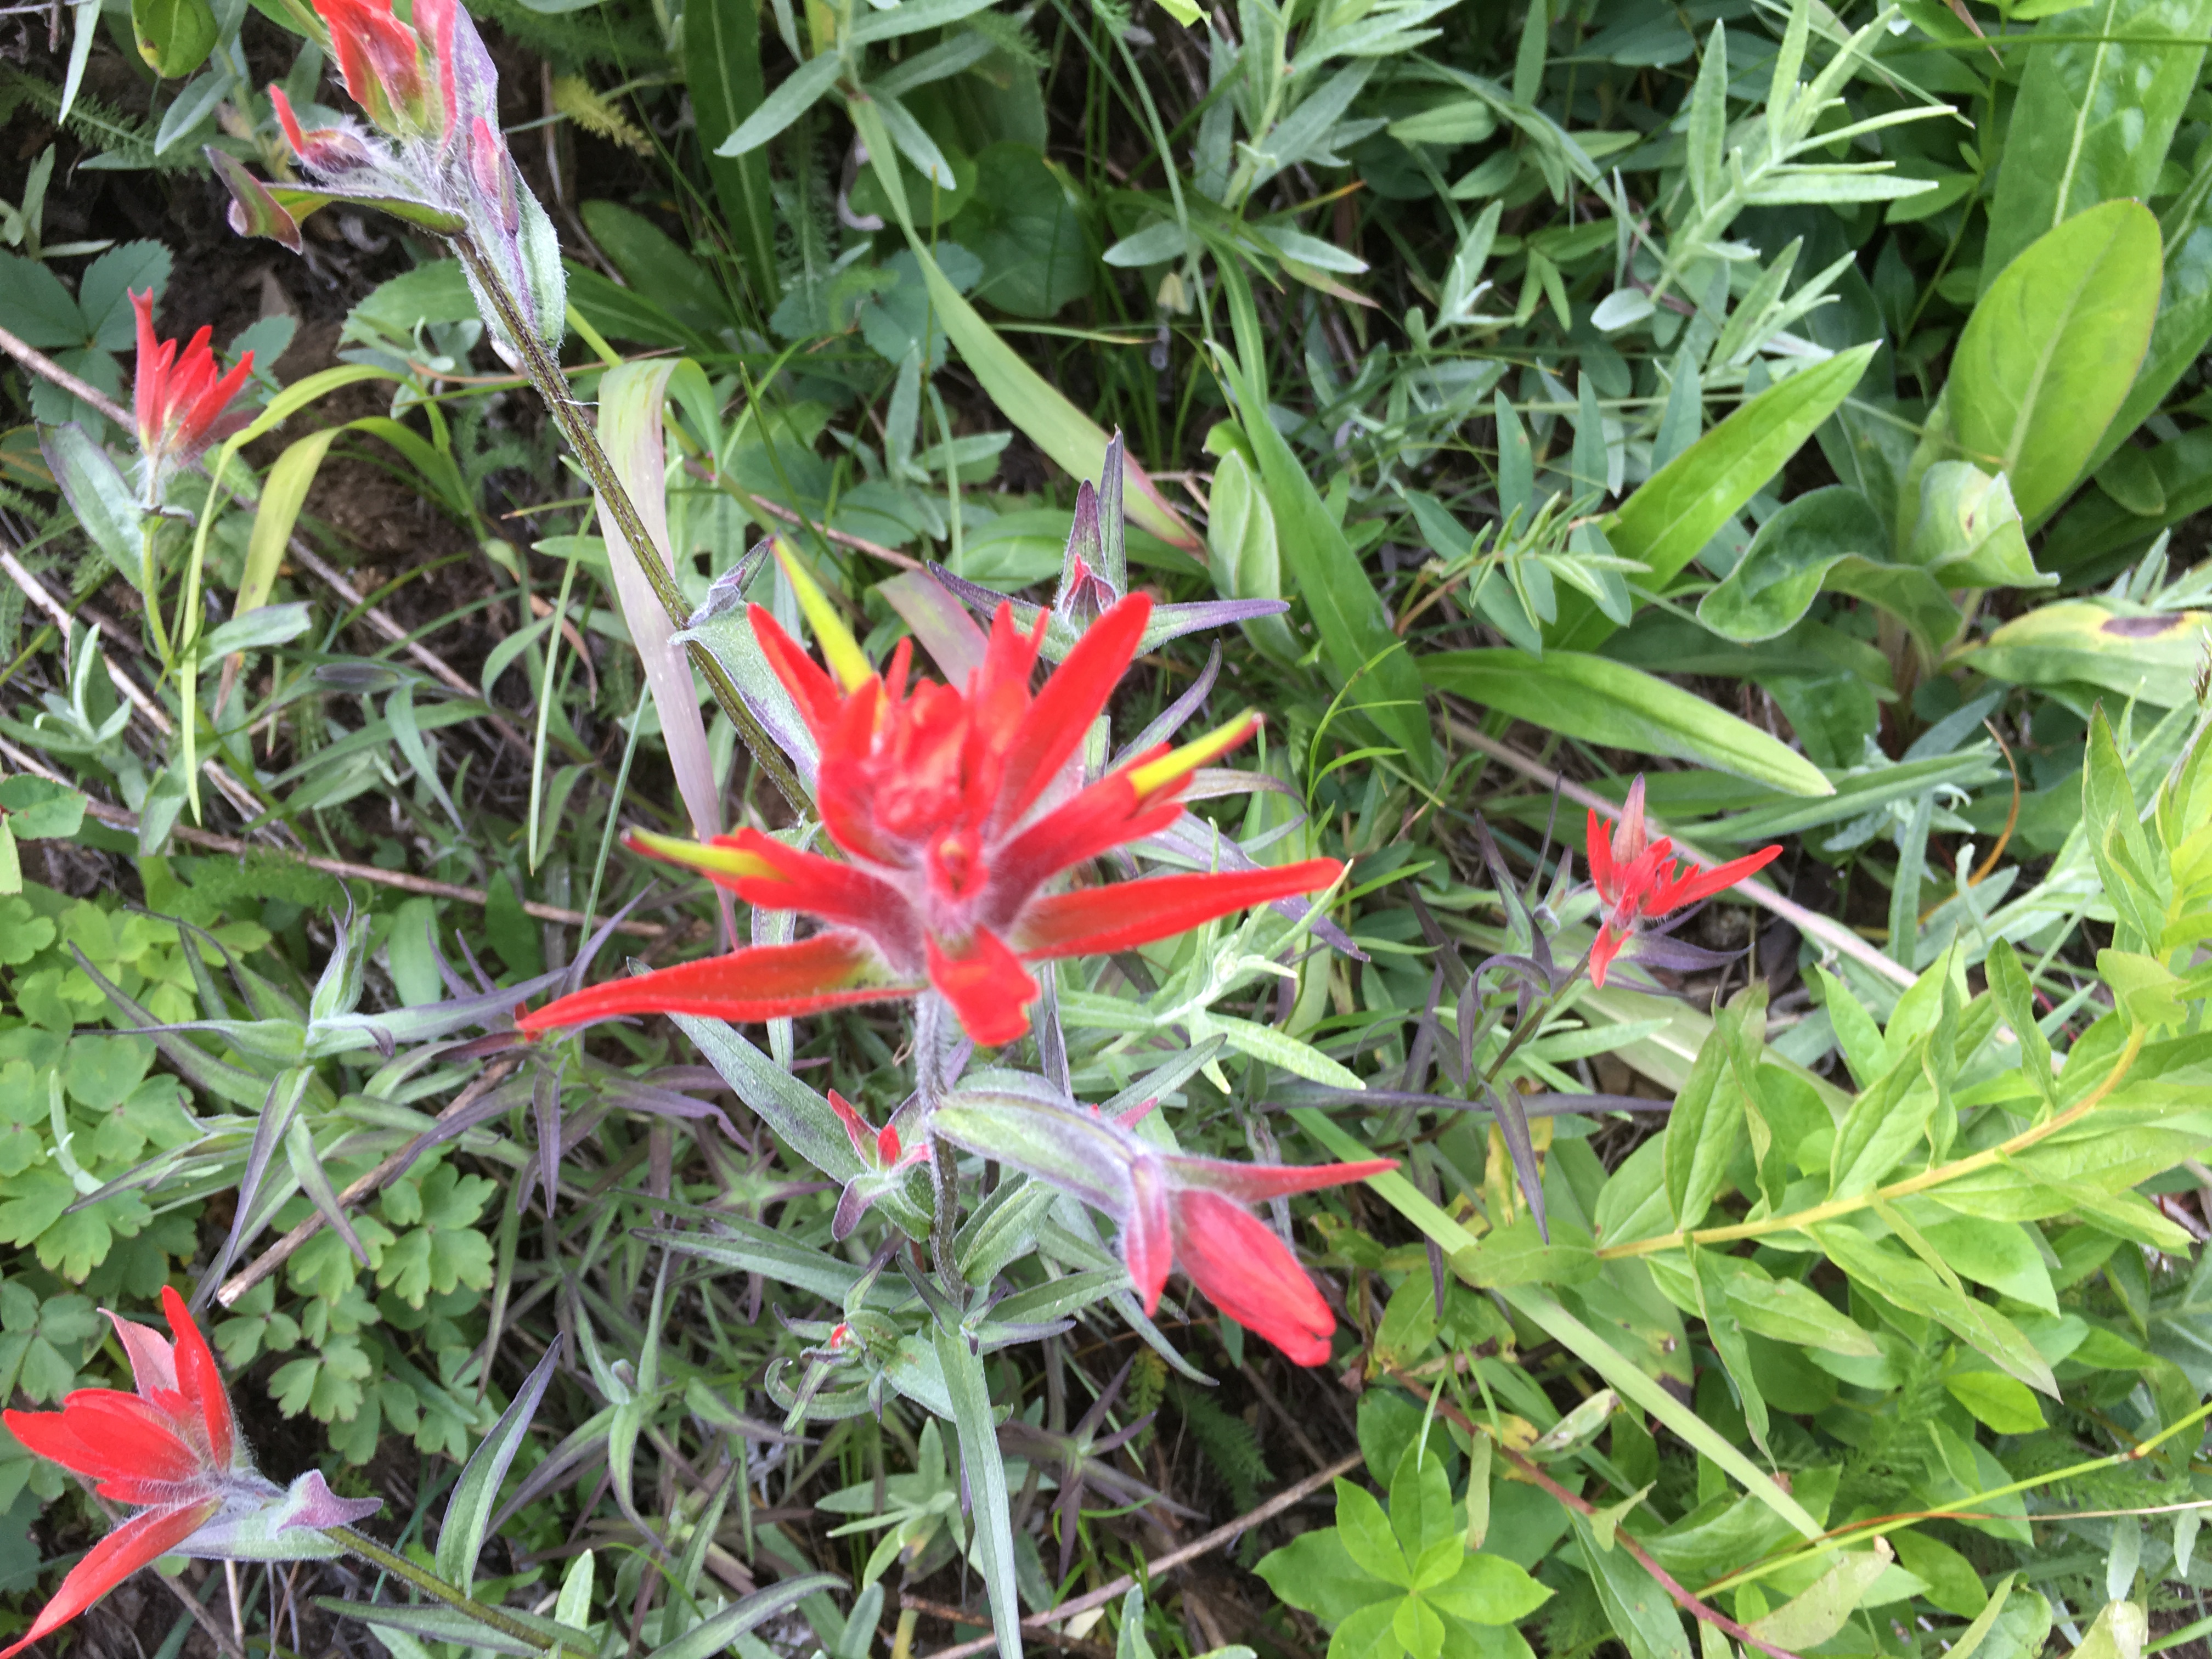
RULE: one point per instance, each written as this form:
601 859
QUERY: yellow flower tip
849 665
704 857
1172 766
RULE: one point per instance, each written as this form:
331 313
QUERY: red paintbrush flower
1172 1209
933 795
180 400
173 1447
1637 879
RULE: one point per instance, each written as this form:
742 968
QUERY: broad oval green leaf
175 36
2049 354
1788 562
2083 642
2097 110
1610 704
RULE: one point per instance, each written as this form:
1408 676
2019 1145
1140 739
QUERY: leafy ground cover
547 444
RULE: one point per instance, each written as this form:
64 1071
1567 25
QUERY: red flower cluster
943 801
174 1448
180 400
1172 1209
1639 879
390 70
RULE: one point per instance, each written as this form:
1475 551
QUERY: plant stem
431 1585
1527 1470
1973 1162
545 374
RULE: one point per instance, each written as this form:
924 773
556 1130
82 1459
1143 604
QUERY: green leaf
1488 1589
1952 1583
2004 1403
2002 1254
1791 1312
1788 562
2048 356
1025 222
720 1633
39 809
476 1494
1818 1612
1532 1303
1675 511
986 1472
801 89
1620 706
1368 1536
36 307
175 36
1315 1573
103 295
2178 338
1421 1507
722 73
1041 411
1362 654
1519 1254
105 505
1885 1122
1642 1614
1913 1285
2096 113
2121 1630
514 932
1706 1124
1969 531
631 399
283 493
2077 642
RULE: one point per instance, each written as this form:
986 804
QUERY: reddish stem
1535 1475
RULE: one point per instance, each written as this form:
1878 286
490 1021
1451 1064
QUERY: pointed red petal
153 1362
1600 855
200 1382
1059 718
1130 913
1672 894
767 982
1105 816
138 1542
109 1434
146 395
808 682
1250 1183
1148 1234
1248 1275
843 894
856 1126
1606 947
986 986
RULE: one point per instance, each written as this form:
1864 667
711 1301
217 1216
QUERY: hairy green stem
434 1587
545 374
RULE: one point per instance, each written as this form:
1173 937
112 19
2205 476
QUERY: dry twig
281 1252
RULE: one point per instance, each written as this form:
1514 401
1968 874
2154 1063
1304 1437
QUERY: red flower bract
1173 1210
938 799
1638 879
181 397
174 1448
